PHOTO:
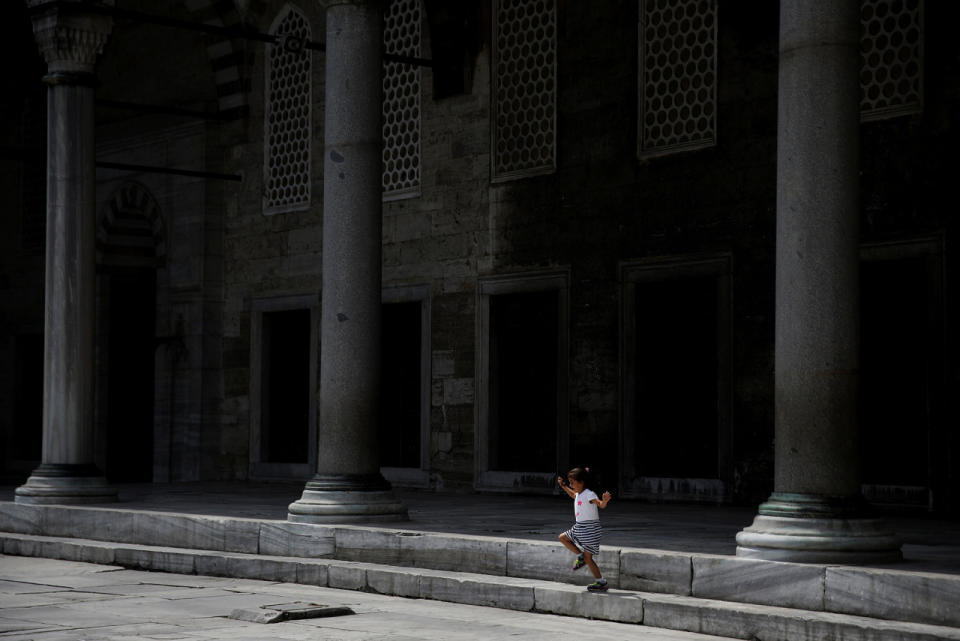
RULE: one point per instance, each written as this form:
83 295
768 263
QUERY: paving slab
25 587
388 581
187 609
91 524
931 598
59 597
624 607
25 519
656 571
69 581
146 630
280 612
312 573
792 585
377 616
295 539
39 568
73 615
10 625
505 593
177 530
482 555
553 562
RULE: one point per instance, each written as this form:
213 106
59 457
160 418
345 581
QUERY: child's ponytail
582 474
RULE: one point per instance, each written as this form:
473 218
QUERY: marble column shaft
70 42
350 323
816 512
70 294
817 264
348 485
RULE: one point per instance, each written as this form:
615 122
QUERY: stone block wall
264 256
440 239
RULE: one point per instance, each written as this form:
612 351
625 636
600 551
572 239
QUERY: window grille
288 121
401 102
524 88
891 72
678 75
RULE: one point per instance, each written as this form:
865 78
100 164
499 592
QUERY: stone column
817 513
348 485
70 41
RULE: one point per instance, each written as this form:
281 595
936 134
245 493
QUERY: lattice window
401 102
287 118
891 43
678 75
524 88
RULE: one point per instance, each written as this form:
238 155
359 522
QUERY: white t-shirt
583 508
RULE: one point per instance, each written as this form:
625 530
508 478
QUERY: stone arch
131 232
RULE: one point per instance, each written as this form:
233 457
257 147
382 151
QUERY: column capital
69 36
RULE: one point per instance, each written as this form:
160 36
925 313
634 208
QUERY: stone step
890 594
707 616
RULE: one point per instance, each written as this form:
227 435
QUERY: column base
347 498
807 529
65 484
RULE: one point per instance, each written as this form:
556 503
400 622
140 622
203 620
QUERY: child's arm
566 489
606 499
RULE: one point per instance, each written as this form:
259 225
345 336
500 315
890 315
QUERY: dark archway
130 248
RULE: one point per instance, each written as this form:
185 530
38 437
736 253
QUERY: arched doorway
130 249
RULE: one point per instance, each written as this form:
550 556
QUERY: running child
586 532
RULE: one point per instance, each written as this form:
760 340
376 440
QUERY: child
586 531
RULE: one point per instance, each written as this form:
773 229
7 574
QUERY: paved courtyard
48 600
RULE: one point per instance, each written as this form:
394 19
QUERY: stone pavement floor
52 600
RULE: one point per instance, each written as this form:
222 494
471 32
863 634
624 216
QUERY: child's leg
588 558
568 543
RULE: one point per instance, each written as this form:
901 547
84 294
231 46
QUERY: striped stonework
226 57
131 230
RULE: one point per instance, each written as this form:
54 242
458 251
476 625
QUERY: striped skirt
587 535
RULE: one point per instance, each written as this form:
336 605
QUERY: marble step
891 594
708 616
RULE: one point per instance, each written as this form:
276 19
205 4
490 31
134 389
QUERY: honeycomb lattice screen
401 102
524 127
891 72
288 119
678 75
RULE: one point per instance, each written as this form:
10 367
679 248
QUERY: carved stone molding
69 39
